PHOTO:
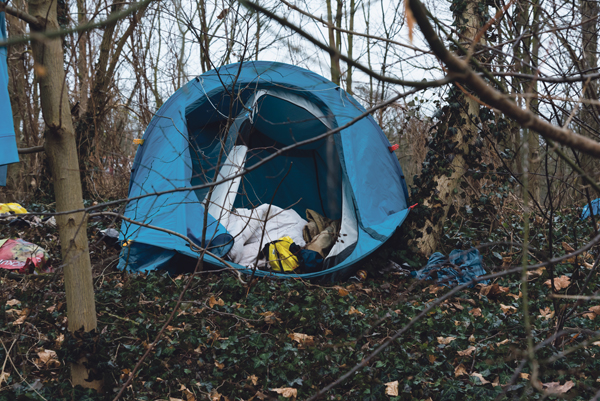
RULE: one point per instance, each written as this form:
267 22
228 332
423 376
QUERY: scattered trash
595 209
26 220
461 267
23 257
359 277
111 237
11 208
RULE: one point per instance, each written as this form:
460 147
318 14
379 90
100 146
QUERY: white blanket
247 227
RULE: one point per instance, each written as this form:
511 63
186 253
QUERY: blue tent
351 175
8 144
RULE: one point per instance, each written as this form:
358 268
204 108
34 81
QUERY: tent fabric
266 107
8 144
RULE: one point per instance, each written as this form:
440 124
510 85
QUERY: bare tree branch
465 74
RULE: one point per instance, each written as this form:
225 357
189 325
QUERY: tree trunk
590 113
350 47
529 17
16 185
447 163
335 61
82 60
61 151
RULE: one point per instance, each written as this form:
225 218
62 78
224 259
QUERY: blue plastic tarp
595 209
8 144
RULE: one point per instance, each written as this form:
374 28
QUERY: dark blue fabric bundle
467 266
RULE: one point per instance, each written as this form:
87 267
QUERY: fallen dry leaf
213 301
175 399
214 395
493 290
269 317
445 340
567 247
49 358
557 388
460 370
480 377
433 289
503 342
342 291
391 388
354 311
590 315
253 379
524 376
546 313
219 365
59 340
472 338
303 339
476 312
287 392
467 352
508 309
4 377
515 296
22 316
560 283
536 272
595 309
12 302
